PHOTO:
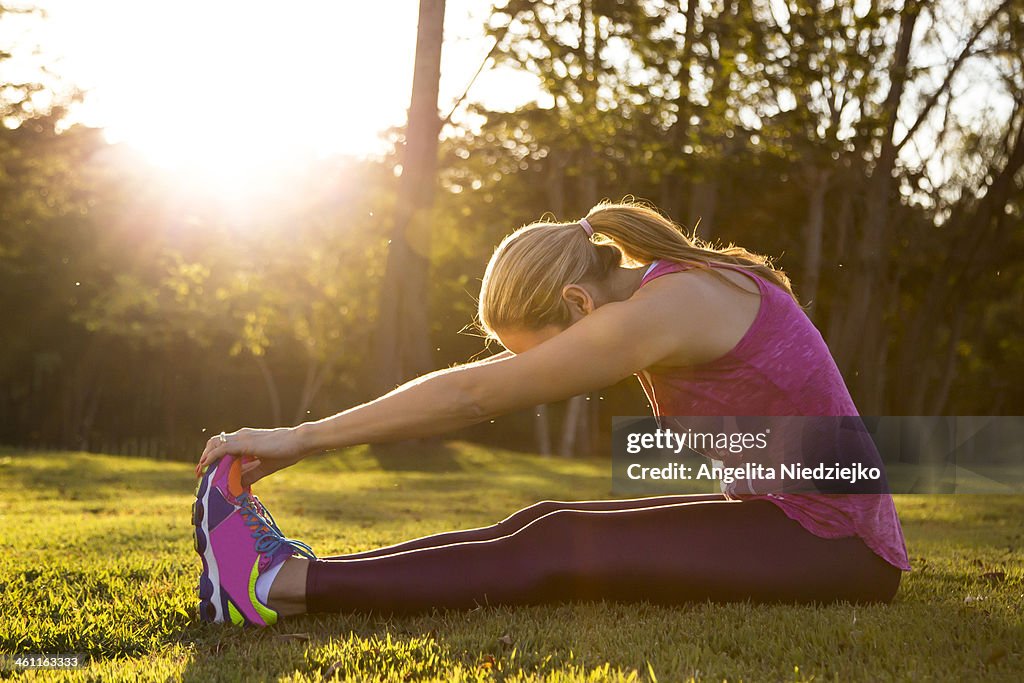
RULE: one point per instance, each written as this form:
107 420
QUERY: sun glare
226 92
232 94
231 90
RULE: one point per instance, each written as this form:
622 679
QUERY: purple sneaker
237 542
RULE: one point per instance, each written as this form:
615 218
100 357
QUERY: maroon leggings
666 550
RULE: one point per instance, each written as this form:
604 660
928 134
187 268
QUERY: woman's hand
263 451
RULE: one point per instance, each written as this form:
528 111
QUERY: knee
544 507
528 514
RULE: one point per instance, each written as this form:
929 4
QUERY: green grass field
97 558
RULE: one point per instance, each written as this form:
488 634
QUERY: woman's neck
623 282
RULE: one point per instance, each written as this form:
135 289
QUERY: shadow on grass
86 476
724 641
416 456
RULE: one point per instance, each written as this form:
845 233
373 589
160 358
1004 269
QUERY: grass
96 557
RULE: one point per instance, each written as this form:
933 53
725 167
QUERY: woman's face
518 341
579 303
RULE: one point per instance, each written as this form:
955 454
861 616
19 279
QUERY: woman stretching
712 332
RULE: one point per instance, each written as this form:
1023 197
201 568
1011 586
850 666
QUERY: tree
402 343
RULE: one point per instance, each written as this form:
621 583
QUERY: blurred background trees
843 138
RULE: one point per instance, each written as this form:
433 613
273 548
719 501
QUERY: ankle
288 592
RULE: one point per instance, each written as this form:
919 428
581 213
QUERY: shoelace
268 537
265 513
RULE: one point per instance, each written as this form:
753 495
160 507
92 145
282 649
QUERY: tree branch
447 119
948 80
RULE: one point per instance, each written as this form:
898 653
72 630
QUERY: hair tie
586 227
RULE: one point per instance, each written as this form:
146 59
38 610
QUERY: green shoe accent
269 615
236 617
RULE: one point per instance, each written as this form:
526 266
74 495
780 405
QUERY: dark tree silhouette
402 345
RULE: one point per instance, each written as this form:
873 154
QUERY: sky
222 84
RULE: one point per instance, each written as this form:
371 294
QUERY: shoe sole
210 602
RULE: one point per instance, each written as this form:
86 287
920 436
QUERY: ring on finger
223 437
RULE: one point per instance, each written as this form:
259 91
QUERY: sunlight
230 93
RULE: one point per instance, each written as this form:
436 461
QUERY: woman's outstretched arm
612 343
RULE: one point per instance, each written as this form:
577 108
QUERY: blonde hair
522 286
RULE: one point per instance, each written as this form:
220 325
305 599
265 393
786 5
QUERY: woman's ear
579 301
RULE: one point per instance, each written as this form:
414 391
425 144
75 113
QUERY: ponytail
644 235
522 286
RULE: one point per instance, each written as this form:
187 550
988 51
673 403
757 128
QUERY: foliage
815 132
141 308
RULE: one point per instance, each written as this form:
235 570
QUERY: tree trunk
89 417
403 333
673 180
169 397
817 186
574 415
316 374
703 204
542 428
840 256
272 394
557 162
82 398
856 352
585 427
940 398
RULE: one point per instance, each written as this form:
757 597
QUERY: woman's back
780 367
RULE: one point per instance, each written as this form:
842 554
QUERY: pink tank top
780 367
